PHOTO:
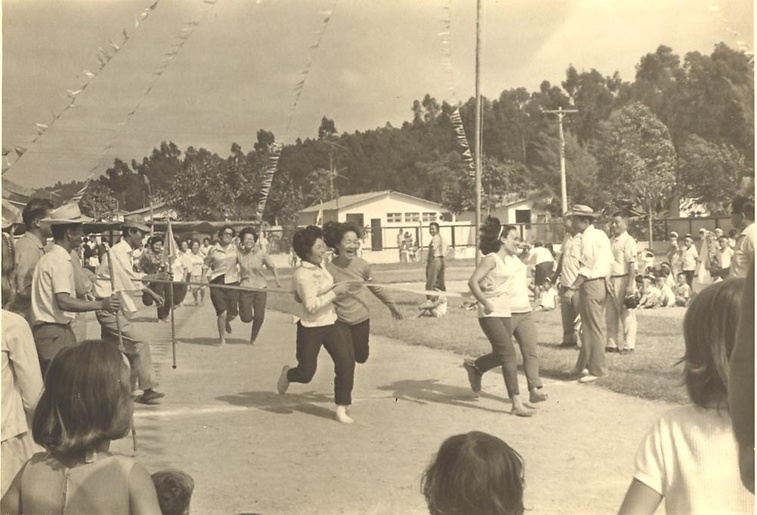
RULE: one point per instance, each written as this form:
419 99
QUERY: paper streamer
270 171
103 58
455 119
741 44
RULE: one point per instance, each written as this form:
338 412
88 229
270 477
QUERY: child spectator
682 291
548 297
435 307
650 294
474 473
667 298
85 404
174 489
722 265
689 457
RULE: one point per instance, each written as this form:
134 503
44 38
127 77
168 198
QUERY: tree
326 129
637 160
709 173
98 202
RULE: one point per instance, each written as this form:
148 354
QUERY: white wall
379 208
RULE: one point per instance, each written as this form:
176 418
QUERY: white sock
341 415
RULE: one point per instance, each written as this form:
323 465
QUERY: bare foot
537 395
522 412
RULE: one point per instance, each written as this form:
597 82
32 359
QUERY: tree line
682 129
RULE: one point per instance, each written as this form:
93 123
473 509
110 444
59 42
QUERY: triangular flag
72 93
19 151
169 252
89 74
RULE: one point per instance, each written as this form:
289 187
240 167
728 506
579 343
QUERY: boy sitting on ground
174 489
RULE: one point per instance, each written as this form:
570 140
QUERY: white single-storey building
381 213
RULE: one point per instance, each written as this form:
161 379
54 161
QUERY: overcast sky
238 70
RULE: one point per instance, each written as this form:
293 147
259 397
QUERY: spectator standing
674 253
567 272
732 235
54 302
689 259
592 286
137 351
723 256
21 377
619 318
742 217
437 249
29 250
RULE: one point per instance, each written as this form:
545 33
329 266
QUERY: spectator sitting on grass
668 298
666 271
650 294
474 473
548 296
174 489
689 458
435 307
682 291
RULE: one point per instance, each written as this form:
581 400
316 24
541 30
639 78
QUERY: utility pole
560 112
478 128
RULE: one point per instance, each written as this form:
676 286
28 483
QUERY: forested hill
682 128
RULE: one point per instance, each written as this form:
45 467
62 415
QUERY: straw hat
67 214
583 211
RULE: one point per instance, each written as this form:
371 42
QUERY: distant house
517 211
377 211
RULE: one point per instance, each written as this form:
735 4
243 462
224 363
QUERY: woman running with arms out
352 311
252 260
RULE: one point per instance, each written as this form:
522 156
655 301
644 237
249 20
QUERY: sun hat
673 234
67 214
583 211
135 222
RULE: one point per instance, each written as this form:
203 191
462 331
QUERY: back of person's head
9 270
174 489
304 239
333 232
59 231
474 473
35 209
743 205
709 331
86 399
489 235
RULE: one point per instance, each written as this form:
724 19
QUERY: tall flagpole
560 112
478 122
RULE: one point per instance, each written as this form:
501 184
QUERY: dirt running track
251 450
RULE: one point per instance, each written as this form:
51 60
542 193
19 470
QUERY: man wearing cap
135 348
623 282
54 302
592 286
567 272
742 217
29 250
689 259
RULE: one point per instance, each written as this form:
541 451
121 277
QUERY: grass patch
651 372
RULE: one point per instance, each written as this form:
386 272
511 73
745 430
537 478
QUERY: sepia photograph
398 257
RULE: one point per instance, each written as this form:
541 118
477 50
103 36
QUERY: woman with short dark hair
221 263
252 260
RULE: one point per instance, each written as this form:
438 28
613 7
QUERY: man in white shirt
623 282
742 217
54 303
592 286
689 259
29 250
566 273
437 249
135 348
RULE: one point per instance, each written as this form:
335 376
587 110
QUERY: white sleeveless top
495 289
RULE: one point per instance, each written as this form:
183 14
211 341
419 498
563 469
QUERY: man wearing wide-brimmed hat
54 302
592 286
136 349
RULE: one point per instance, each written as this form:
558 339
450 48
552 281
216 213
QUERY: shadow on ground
427 391
283 404
213 341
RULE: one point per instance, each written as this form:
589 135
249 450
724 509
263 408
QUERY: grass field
651 372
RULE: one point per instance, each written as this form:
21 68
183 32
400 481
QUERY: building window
412 217
429 217
394 218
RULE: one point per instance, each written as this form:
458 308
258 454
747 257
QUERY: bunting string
455 119
104 58
275 149
174 49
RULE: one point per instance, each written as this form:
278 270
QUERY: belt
594 279
617 276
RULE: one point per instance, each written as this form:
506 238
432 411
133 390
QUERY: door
377 242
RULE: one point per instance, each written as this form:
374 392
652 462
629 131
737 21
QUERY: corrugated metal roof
349 200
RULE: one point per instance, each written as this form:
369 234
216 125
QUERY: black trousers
335 339
359 334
